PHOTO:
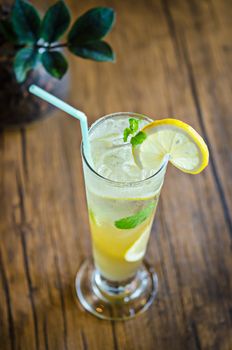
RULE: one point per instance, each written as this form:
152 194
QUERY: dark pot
18 106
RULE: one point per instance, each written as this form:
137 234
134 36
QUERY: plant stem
39 46
51 47
58 45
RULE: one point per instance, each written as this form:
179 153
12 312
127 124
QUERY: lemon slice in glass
184 146
138 249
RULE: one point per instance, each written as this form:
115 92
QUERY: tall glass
116 284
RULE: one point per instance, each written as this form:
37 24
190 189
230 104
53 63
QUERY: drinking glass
116 283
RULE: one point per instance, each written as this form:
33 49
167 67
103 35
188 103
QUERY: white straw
36 90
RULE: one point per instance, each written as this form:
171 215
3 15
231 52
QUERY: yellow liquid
110 244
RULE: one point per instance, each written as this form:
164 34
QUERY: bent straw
75 113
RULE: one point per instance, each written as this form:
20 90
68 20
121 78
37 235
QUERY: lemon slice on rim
185 147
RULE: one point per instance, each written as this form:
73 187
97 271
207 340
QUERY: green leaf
138 138
133 127
97 51
135 220
55 22
7 31
26 21
25 60
126 134
134 124
92 26
54 63
92 216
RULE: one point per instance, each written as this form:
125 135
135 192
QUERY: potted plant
31 53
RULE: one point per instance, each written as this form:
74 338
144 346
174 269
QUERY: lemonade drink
123 181
122 199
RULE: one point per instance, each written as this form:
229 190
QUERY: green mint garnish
92 216
133 127
135 220
134 124
138 138
126 133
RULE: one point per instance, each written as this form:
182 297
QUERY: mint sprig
134 124
126 134
133 127
136 139
136 219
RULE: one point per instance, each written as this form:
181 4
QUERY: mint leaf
134 124
92 217
138 138
135 220
126 133
133 127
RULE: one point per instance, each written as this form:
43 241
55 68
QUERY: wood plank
173 59
192 14
212 95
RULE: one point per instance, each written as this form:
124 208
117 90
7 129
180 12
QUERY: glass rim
121 183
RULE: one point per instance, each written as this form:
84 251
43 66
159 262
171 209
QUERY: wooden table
173 59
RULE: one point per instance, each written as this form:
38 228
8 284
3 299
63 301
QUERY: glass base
115 300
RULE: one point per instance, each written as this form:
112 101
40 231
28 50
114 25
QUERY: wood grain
173 59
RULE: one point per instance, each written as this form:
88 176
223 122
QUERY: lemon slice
184 146
138 249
